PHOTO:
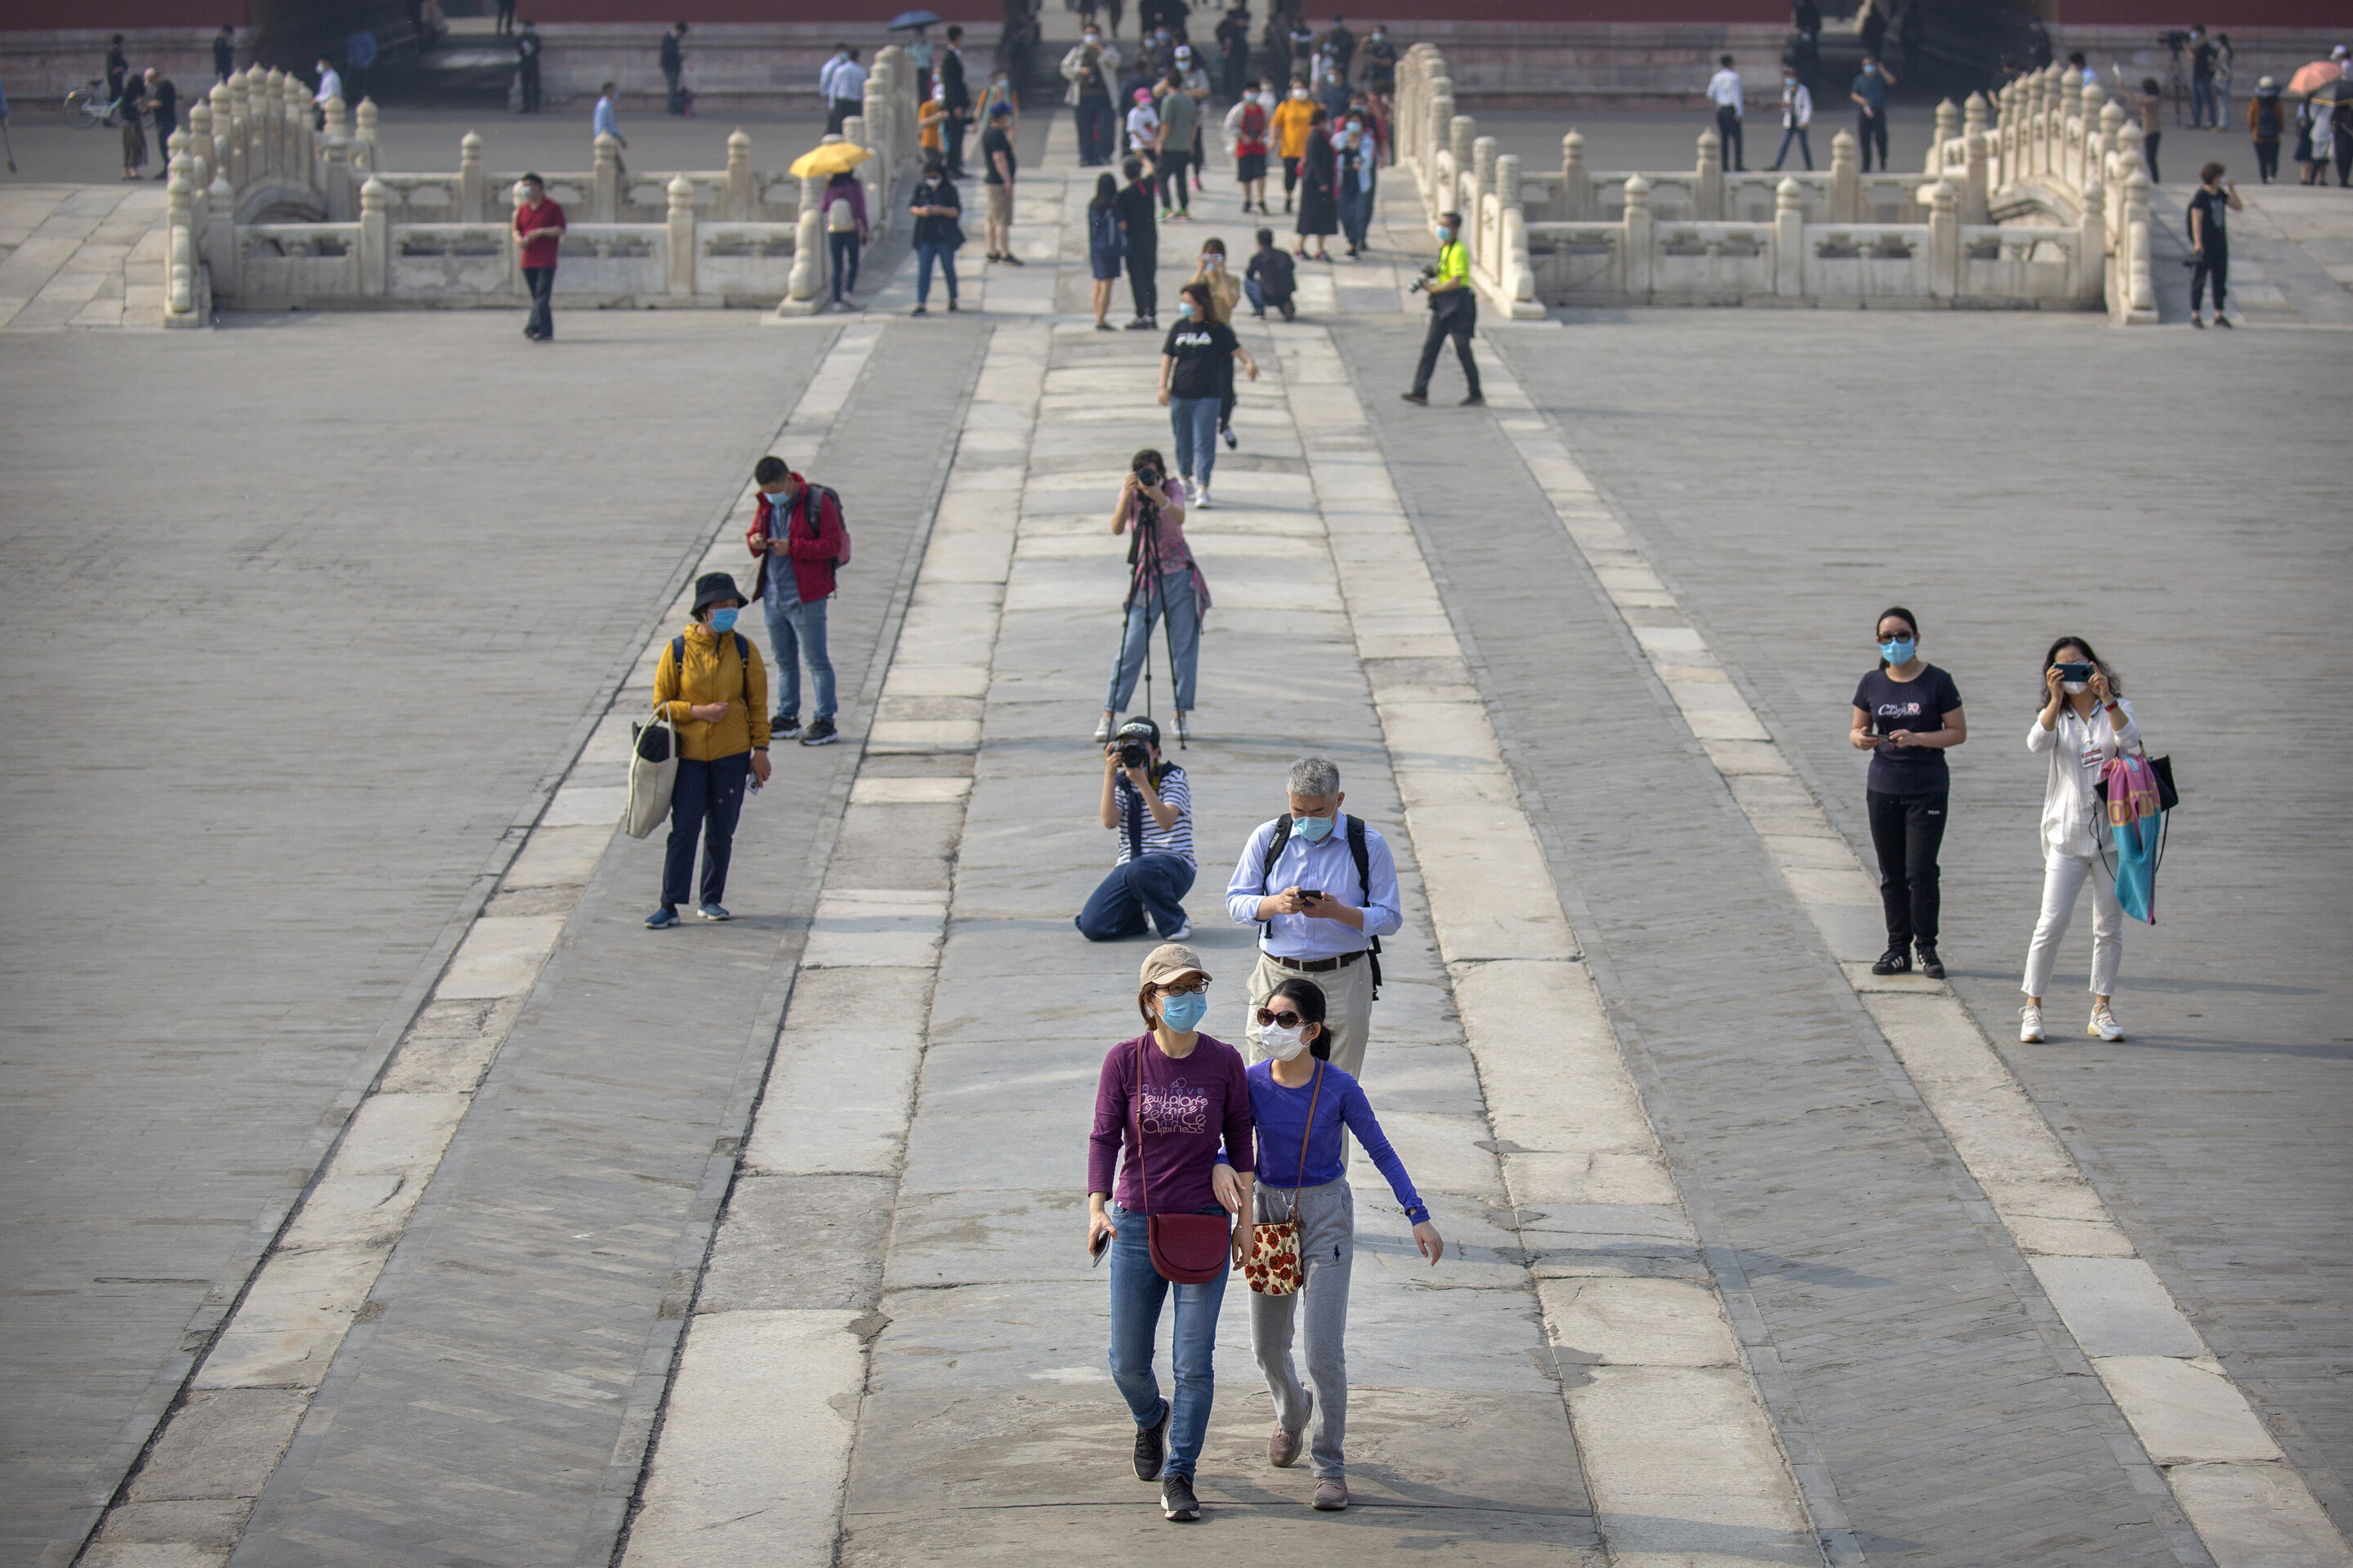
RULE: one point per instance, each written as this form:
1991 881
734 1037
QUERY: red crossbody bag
1187 1249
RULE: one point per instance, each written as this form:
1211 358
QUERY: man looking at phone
796 536
1148 803
1321 888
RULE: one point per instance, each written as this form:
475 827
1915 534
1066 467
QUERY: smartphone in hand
1101 1246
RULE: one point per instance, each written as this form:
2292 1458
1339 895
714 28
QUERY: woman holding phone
1173 1113
1907 715
2085 723
1302 1104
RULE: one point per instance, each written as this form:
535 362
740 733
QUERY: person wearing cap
1144 133
2267 118
709 684
1196 82
1172 1136
1149 804
1304 1108
1317 913
998 164
797 538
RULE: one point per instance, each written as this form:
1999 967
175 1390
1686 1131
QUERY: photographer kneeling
1148 803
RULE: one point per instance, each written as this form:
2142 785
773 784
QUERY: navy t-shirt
1921 704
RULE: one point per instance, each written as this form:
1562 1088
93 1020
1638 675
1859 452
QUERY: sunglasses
1279 1019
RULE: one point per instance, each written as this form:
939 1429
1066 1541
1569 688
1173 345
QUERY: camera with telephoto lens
2176 40
1421 284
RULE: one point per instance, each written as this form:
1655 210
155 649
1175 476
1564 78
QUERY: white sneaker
1103 730
1201 498
1192 493
2030 1026
1183 930
2104 1025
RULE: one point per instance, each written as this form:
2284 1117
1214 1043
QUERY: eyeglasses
1279 1019
1194 989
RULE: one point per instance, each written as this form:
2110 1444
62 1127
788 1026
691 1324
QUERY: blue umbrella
906 19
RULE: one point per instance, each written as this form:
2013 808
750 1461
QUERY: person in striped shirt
1148 803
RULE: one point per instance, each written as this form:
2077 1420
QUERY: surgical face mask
1282 1044
1444 234
1898 651
1299 93
1314 829
723 618
1185 309
1212 260
2074 688
1184 1013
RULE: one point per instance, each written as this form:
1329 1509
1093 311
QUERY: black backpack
1357 850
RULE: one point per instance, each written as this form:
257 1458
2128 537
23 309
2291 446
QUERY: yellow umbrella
829 159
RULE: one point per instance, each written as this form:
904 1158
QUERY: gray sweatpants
1328 1250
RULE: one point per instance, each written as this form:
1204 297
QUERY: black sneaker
1177 1502
820 733
785 726
1930 964
1895 961
1474 401
1152 1446
1421 397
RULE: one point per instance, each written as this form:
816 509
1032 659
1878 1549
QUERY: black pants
540 281
677 104
2267 161
1175 195
708 800
954 130
2344 156
531 89
2212 261
1144 277
1457 320
1871 128
839 110
2148 150
843 249
1907 831
1727 131
1290 181
1095 130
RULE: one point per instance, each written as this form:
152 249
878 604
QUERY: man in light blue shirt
603 123
1320 914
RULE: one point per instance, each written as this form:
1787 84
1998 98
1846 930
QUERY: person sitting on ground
1272 279
1305 1108
1149 804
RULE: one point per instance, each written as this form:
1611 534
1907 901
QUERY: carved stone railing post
1639 235
808 260
2140 284
229 159
1708 179
1976 204
180 280
605 182
2092 244
341 193
473 188
1973 121
364 144
1948 125
269 127
1788 239
1482 167
1435 139
301 135
200 145
739 204
682 236
375 239
1846 181
1944 204
1575 181
337 125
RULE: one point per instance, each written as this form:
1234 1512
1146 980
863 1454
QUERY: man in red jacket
797 524
539 230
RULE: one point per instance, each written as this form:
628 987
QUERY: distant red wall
2166 14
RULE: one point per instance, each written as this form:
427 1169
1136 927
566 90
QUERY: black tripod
1143 559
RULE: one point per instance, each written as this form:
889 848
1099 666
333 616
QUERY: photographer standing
1321 888
1160 580
1453 311
1149 805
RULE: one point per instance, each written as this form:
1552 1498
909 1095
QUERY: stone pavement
83 256
598 1208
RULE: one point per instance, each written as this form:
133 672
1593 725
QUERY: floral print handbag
1274 1266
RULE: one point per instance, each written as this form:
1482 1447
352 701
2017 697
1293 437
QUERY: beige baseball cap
1171 959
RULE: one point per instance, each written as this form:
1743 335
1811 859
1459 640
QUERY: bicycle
88 107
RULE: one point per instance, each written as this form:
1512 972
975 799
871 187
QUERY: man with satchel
797 536
1321 888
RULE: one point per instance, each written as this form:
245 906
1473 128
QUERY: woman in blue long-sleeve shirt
1301 1103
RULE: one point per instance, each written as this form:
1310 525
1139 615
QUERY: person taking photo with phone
1173 1116
2085 723
1301 1105
1149 804
1321 888
1907 715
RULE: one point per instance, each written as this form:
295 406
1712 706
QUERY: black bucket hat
712 587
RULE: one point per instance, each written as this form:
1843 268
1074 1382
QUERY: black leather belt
1316 965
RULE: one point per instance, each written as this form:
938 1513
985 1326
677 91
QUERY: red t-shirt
539 251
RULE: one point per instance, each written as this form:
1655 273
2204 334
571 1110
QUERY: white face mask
1299 93
1282 1044
2076 688
1212 260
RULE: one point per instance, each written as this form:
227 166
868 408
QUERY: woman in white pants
2084 724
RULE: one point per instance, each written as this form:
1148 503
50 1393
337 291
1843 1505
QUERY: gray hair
1314 779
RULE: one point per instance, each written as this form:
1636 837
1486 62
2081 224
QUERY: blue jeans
1794 133
1172 597
2203 108
1261 301
1195 422
797 631
1356 213
927 252
1155 883
1136 1293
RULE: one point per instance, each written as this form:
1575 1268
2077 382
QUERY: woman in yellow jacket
1292 117
712 685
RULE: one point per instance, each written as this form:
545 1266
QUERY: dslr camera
1421 284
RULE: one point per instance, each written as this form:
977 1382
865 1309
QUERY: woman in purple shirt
1176 1101
1300 1103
